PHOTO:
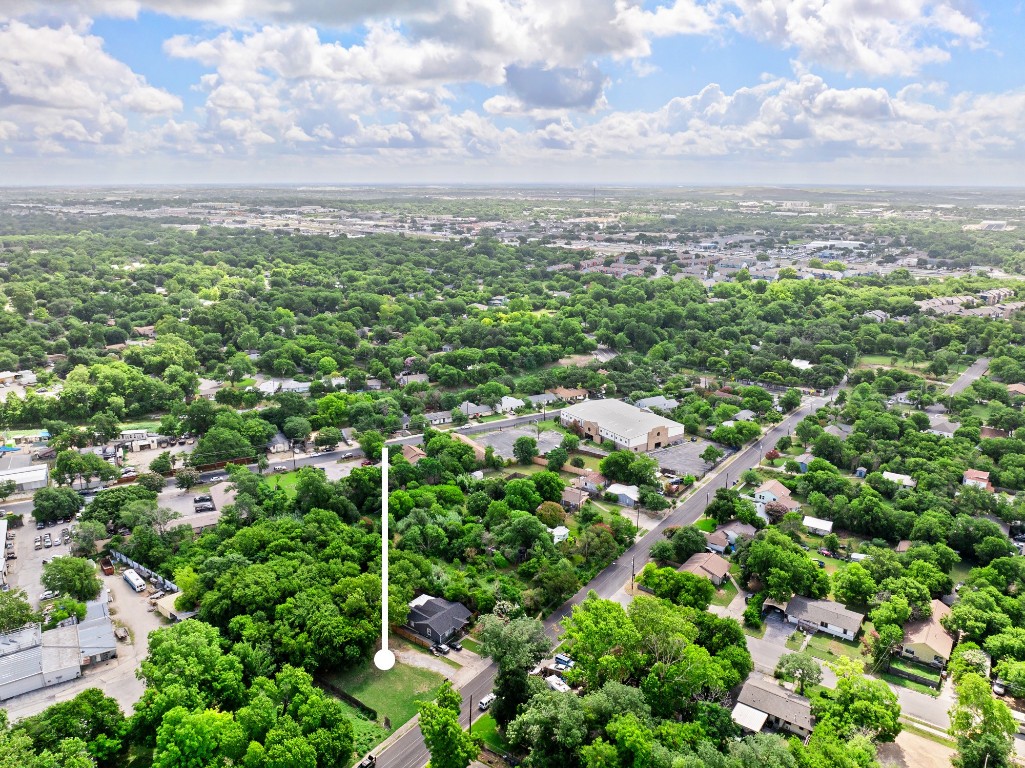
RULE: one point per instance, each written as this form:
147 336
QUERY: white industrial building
625 426
27 478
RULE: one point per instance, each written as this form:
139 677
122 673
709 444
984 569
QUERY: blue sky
678 91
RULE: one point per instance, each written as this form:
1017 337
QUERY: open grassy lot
367 734
486 729
284 480
394 694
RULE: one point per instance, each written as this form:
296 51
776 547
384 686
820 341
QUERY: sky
681 92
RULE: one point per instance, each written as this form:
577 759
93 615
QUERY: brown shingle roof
707 564
930 632
770 698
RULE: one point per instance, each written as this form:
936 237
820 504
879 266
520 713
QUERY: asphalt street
409 751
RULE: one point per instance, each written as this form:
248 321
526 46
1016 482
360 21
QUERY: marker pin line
384 659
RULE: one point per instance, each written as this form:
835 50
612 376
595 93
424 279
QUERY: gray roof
441 615
60 649
18 666
96 636
658 401
770 698
817 611
618 417
97 609
545 398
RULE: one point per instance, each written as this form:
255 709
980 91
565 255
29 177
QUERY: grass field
909 684
285 480
471 645
705 524
486 729
827 648
366 733
394 694
724 595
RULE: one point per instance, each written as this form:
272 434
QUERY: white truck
134 580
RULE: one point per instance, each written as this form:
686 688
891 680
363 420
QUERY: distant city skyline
686 92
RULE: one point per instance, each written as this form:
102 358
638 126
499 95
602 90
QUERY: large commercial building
623 425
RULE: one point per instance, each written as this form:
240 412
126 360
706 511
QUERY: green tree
15 611
789 400
449 745
296 428
800 667
162 464
515 645
221 444
328 437
186 478
980 719
7 487
711 455
859 705
557 457
151 481
604 642
198 739
525 449
854 585
51 504
90 716
371 442
86 534
552 726
72 576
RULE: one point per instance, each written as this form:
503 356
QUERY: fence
146 573
412 637
369 712
929 681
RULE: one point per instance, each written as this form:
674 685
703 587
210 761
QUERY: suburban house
842 431
744 415
941 427
803 461
279 443
560 533
413 453
436 619
762 702
413 378
627 495
374 384
877 315
510 404
710 565
625 426
926 640
573 498
905 481
977 478
592 482
298 387
817 526
823 616
716 542
568 394
473 410
735 529
1016 390
659 401
434 418
774 492
546 398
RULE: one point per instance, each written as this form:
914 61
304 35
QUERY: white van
134 580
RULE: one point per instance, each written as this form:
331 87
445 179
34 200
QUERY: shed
817 526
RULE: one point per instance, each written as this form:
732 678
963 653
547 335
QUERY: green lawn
795 641
472 645
285 480
909 684
705 524
827 648
486 729
724 595
366 733
394 694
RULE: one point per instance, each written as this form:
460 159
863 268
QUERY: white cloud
875 37
58 87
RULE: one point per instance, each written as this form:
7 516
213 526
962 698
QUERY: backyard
828 648
393 694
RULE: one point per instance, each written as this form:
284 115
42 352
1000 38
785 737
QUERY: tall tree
450 746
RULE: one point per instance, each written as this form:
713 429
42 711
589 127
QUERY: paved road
408 750
974 371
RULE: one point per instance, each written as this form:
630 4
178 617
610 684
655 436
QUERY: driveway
776 629
974 371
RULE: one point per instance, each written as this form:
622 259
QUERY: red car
367 463
825 552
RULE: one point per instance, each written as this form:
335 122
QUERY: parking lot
502 440
683 459
26 571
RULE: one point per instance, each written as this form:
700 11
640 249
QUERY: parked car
367 762
47 541
455 645
998 688
202 498
205 507
441 648
821 563
280 468
38 542
49 595
367 463
40 526
347 455
12 556
486 702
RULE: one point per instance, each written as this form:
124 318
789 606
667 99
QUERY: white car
48 595
486 702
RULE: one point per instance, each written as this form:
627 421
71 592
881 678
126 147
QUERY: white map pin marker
384 659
